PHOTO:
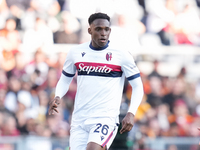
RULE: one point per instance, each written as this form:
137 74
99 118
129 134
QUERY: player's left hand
127 123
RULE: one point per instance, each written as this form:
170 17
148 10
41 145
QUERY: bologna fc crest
109 56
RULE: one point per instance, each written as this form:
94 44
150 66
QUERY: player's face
100 31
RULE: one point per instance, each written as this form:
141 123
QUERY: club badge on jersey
109 56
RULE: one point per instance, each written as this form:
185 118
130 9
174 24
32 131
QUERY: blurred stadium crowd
170 107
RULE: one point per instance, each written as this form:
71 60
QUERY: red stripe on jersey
104 144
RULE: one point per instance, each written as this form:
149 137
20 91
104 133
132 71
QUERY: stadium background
162 35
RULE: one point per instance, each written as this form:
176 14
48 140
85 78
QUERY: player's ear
89 30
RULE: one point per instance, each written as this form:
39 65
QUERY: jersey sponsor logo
109 56
88 69
98 69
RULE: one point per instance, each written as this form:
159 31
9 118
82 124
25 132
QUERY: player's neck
99 48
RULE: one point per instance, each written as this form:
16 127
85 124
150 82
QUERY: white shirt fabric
100 80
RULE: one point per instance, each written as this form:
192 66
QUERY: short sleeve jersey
100 79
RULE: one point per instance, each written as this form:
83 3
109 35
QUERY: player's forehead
101 23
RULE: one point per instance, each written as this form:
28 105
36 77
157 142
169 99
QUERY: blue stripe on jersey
67 74
113 74
133 76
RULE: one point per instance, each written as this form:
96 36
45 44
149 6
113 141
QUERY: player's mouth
103 40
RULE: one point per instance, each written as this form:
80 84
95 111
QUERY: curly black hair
98 16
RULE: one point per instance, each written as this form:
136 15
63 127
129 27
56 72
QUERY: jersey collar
101 48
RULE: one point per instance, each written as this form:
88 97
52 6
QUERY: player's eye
98 29
107 29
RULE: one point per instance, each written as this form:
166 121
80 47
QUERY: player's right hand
53 105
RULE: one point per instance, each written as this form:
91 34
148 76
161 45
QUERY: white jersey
100 79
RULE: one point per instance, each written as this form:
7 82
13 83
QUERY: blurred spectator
23 4
4 112
129 30
54 16
28 20
37 68
30 126
18 70
177 92
154 98
158 17
53 9
9 126
163 113
155 72
50 82
40 36
14 86
10 41
24 109
181 117
154 128
191 100
42 7
174 21
10 26
58 65
54 23
16 12
43 130
57 125
173 130
63 130
8 60
71 30
186 26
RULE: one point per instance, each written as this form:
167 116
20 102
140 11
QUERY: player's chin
102 44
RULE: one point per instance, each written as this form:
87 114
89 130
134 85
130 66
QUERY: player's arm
136 98
63 84
61 89
132 73
137 94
